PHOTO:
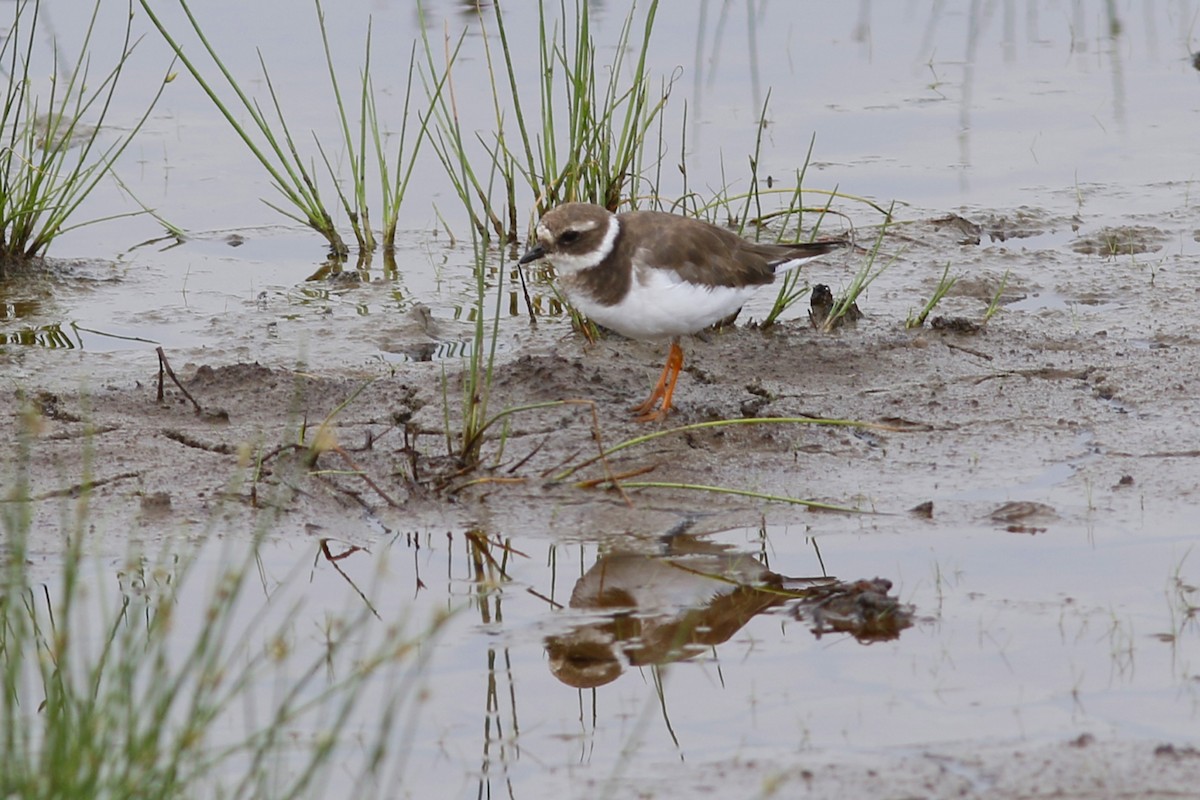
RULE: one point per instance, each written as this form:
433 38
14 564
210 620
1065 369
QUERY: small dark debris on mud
158 503
970 232
923 510
753 407
820 306
960 325
1176 753
50 406
187 440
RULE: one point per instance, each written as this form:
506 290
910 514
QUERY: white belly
660 306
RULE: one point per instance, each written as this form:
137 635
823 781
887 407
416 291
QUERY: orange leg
664 389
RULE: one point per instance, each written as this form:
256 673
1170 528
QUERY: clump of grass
272 143
583 140
277 151
474 191
449 144
477 383
392 178
475 419
944 285
600 156
592 145
51 157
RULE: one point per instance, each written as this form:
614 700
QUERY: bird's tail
803 252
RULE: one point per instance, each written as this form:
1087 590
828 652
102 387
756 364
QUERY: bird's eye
569 237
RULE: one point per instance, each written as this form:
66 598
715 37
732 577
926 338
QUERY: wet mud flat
1088 374
1071 409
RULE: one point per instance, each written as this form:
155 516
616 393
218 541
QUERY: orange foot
664 389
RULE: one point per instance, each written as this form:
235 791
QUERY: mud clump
960 325
1021 224
1120 241
232 375
822 304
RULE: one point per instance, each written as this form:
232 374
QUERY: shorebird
654 276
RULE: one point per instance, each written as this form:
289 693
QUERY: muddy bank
1085 378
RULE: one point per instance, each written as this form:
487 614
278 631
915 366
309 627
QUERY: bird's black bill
532 254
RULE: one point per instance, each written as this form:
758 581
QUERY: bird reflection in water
655 609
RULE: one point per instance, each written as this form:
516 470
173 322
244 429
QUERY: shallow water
1007 646
1050 117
